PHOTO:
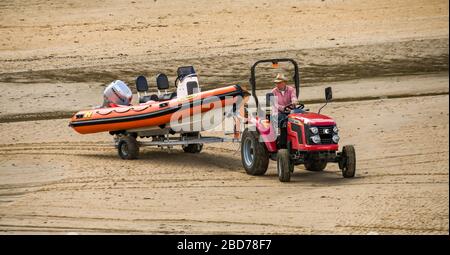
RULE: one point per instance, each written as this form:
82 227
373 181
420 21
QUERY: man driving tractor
301 137
285 97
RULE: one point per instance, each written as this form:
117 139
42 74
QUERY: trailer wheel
128 148
348 161
193 148
284 165
254 154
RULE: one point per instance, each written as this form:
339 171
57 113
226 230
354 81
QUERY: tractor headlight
335 138
314 130
315 139
335 129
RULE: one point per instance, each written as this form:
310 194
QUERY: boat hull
154 114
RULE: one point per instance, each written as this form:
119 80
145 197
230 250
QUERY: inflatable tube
156 113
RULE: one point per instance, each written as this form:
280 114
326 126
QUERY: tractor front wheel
348 161
285 166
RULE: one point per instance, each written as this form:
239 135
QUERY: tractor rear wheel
254 154
348 159
128 148
285 166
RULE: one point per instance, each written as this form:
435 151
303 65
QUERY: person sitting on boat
116 94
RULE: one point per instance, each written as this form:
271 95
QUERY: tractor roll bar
296 76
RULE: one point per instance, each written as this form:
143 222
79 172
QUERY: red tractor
301 137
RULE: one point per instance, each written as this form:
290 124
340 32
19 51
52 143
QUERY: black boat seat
162 83
142 87
141 84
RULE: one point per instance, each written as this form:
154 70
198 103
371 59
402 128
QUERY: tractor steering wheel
289 107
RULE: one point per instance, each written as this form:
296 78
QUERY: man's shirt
284 98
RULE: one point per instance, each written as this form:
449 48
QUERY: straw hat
280 78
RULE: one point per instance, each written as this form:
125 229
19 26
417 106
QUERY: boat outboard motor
187 81
117 93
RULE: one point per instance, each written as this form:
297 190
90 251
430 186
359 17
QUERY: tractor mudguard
267 133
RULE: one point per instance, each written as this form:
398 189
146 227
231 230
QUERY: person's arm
276 104
294 99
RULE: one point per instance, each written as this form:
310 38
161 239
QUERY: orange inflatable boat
152 113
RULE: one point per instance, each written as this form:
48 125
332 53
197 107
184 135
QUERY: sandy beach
387 62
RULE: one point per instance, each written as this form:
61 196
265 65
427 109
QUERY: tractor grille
326 137
326 134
